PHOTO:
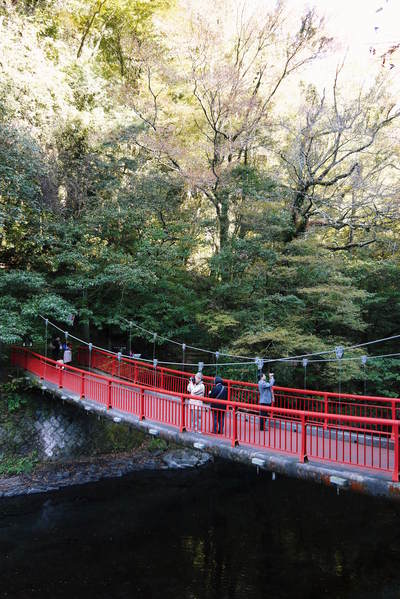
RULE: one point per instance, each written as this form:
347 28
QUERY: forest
178 164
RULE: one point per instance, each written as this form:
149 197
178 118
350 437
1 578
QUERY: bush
14 393
156 444
11 465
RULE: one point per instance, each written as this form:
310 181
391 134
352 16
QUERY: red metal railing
354 440
244 392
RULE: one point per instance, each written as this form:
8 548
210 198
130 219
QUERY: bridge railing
352 440
245 392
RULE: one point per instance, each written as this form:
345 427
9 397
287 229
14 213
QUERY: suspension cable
282 359
249 360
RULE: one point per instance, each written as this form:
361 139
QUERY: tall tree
341 166
223 90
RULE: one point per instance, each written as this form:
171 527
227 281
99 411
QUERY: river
221 532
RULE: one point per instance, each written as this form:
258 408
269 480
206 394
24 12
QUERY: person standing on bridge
67 355
266 395
219 391
196 387
56 347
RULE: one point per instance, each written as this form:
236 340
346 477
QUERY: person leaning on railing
196 387
266 396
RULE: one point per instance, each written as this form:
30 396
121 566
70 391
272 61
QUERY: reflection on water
222 532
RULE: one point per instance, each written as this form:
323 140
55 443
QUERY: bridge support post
182 427
303 445
141 407
82 385
325 410
234 427
60 378
135 373
395 429
109 404
162 378
392 436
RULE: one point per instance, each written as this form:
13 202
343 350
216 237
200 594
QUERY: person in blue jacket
266 395
219 391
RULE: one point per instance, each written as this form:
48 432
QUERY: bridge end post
303 445
395 476
392 436
326 410
235 441
109 404
162 378
60 378
182 427
82 385
141 407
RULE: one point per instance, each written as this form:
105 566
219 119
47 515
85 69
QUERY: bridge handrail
302 429
245 384
227 403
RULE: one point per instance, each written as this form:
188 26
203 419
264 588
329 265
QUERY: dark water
220 533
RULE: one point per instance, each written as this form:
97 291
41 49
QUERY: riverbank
58 475
46 446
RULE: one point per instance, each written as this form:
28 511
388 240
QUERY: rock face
48 431
185 458
58 437
57 432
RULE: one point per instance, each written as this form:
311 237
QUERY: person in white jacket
196 388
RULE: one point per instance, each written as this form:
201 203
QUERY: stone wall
52 431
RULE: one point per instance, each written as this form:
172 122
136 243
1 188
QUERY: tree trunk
223 223
89 26
299 218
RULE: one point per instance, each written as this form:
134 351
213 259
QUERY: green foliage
92 224
13 465
111 438
14 393
26 295
156 444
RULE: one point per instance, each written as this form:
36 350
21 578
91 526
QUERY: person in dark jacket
266 396
219 391
56 347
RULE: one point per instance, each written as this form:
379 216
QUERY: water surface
222 532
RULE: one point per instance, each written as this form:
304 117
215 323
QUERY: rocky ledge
55 476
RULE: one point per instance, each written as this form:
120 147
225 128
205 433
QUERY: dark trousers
263 418
218 421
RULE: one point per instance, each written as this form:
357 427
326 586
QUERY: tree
224 91
341 169
114 28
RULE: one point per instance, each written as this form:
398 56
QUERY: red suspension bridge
353 432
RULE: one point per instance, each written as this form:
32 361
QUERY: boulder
185 458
